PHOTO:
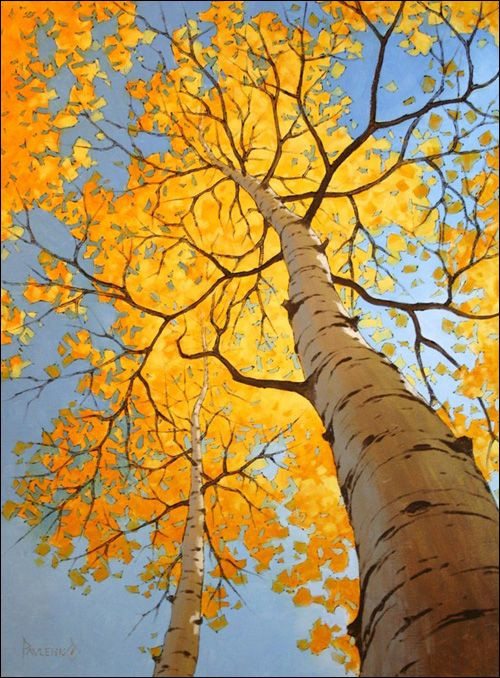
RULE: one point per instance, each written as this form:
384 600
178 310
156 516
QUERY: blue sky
43 613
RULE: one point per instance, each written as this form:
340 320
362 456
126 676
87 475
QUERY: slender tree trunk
179 654
424 519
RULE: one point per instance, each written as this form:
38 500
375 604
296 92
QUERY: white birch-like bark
179 654
424 520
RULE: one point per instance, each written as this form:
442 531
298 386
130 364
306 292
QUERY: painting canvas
250 338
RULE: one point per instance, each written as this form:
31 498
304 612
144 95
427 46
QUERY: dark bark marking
291 307
462 445
185 653
385 535
374 621
471 513
417 506
316 355
328 435
353 321
403 395
367 441
427 569
346 489
308 267
487 569
358 622
321 331
354 628
407 666
408 621
344 360
463 616
345 400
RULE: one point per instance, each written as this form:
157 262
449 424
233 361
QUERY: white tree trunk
425 523
179 654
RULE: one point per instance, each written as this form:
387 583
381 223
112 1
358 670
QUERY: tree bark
424 520
179 654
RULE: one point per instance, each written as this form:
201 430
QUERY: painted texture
292 182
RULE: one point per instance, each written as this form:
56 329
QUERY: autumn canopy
177 202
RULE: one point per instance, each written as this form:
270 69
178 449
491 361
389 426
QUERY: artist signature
31 650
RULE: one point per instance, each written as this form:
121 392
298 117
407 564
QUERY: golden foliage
181 259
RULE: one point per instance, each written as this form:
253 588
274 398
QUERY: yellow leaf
81 152
313 20
467 160
388 349
386 284
100 574
219 623
380 335
148 36
259 464
42 549
485 138
338 69
396 244
455 207
9 509
321 635
428 84
435 122
53 371
13 367
422 42
77 577
20 447
64 120
302 597
450 67
100 103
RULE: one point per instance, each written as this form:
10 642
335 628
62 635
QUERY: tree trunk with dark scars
424 520
179 655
